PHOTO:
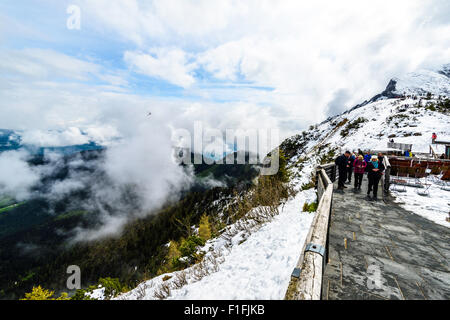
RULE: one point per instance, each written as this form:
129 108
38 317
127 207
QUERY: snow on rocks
98 294
423 81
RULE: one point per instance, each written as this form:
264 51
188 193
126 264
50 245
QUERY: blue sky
230 64
43 25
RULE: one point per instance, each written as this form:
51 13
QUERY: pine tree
283 173
204 230
171 259
173 250
38 293
112 286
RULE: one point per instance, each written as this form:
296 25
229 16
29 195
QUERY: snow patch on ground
98 294
435 206
258 268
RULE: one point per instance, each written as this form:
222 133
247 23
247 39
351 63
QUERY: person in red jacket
360 165
433 137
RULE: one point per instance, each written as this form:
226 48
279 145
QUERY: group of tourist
358 164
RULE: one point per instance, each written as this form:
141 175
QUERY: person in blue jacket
367 157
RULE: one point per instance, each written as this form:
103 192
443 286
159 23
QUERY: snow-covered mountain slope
259 266
424 81
410 109
409 119
421 83
404 120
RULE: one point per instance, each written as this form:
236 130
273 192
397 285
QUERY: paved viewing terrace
378 250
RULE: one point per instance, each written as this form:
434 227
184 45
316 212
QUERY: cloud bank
16 177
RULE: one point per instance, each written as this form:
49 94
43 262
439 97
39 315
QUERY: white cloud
67 137
64 187
305 50
34 65
141 22
102 134
16 176
167 64
146 159
143 163
41 63
223 61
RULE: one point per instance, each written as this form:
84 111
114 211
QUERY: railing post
316 184
387 174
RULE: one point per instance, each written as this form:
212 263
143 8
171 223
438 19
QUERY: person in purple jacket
360 165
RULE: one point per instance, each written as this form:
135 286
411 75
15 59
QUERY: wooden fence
306 279
400 146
